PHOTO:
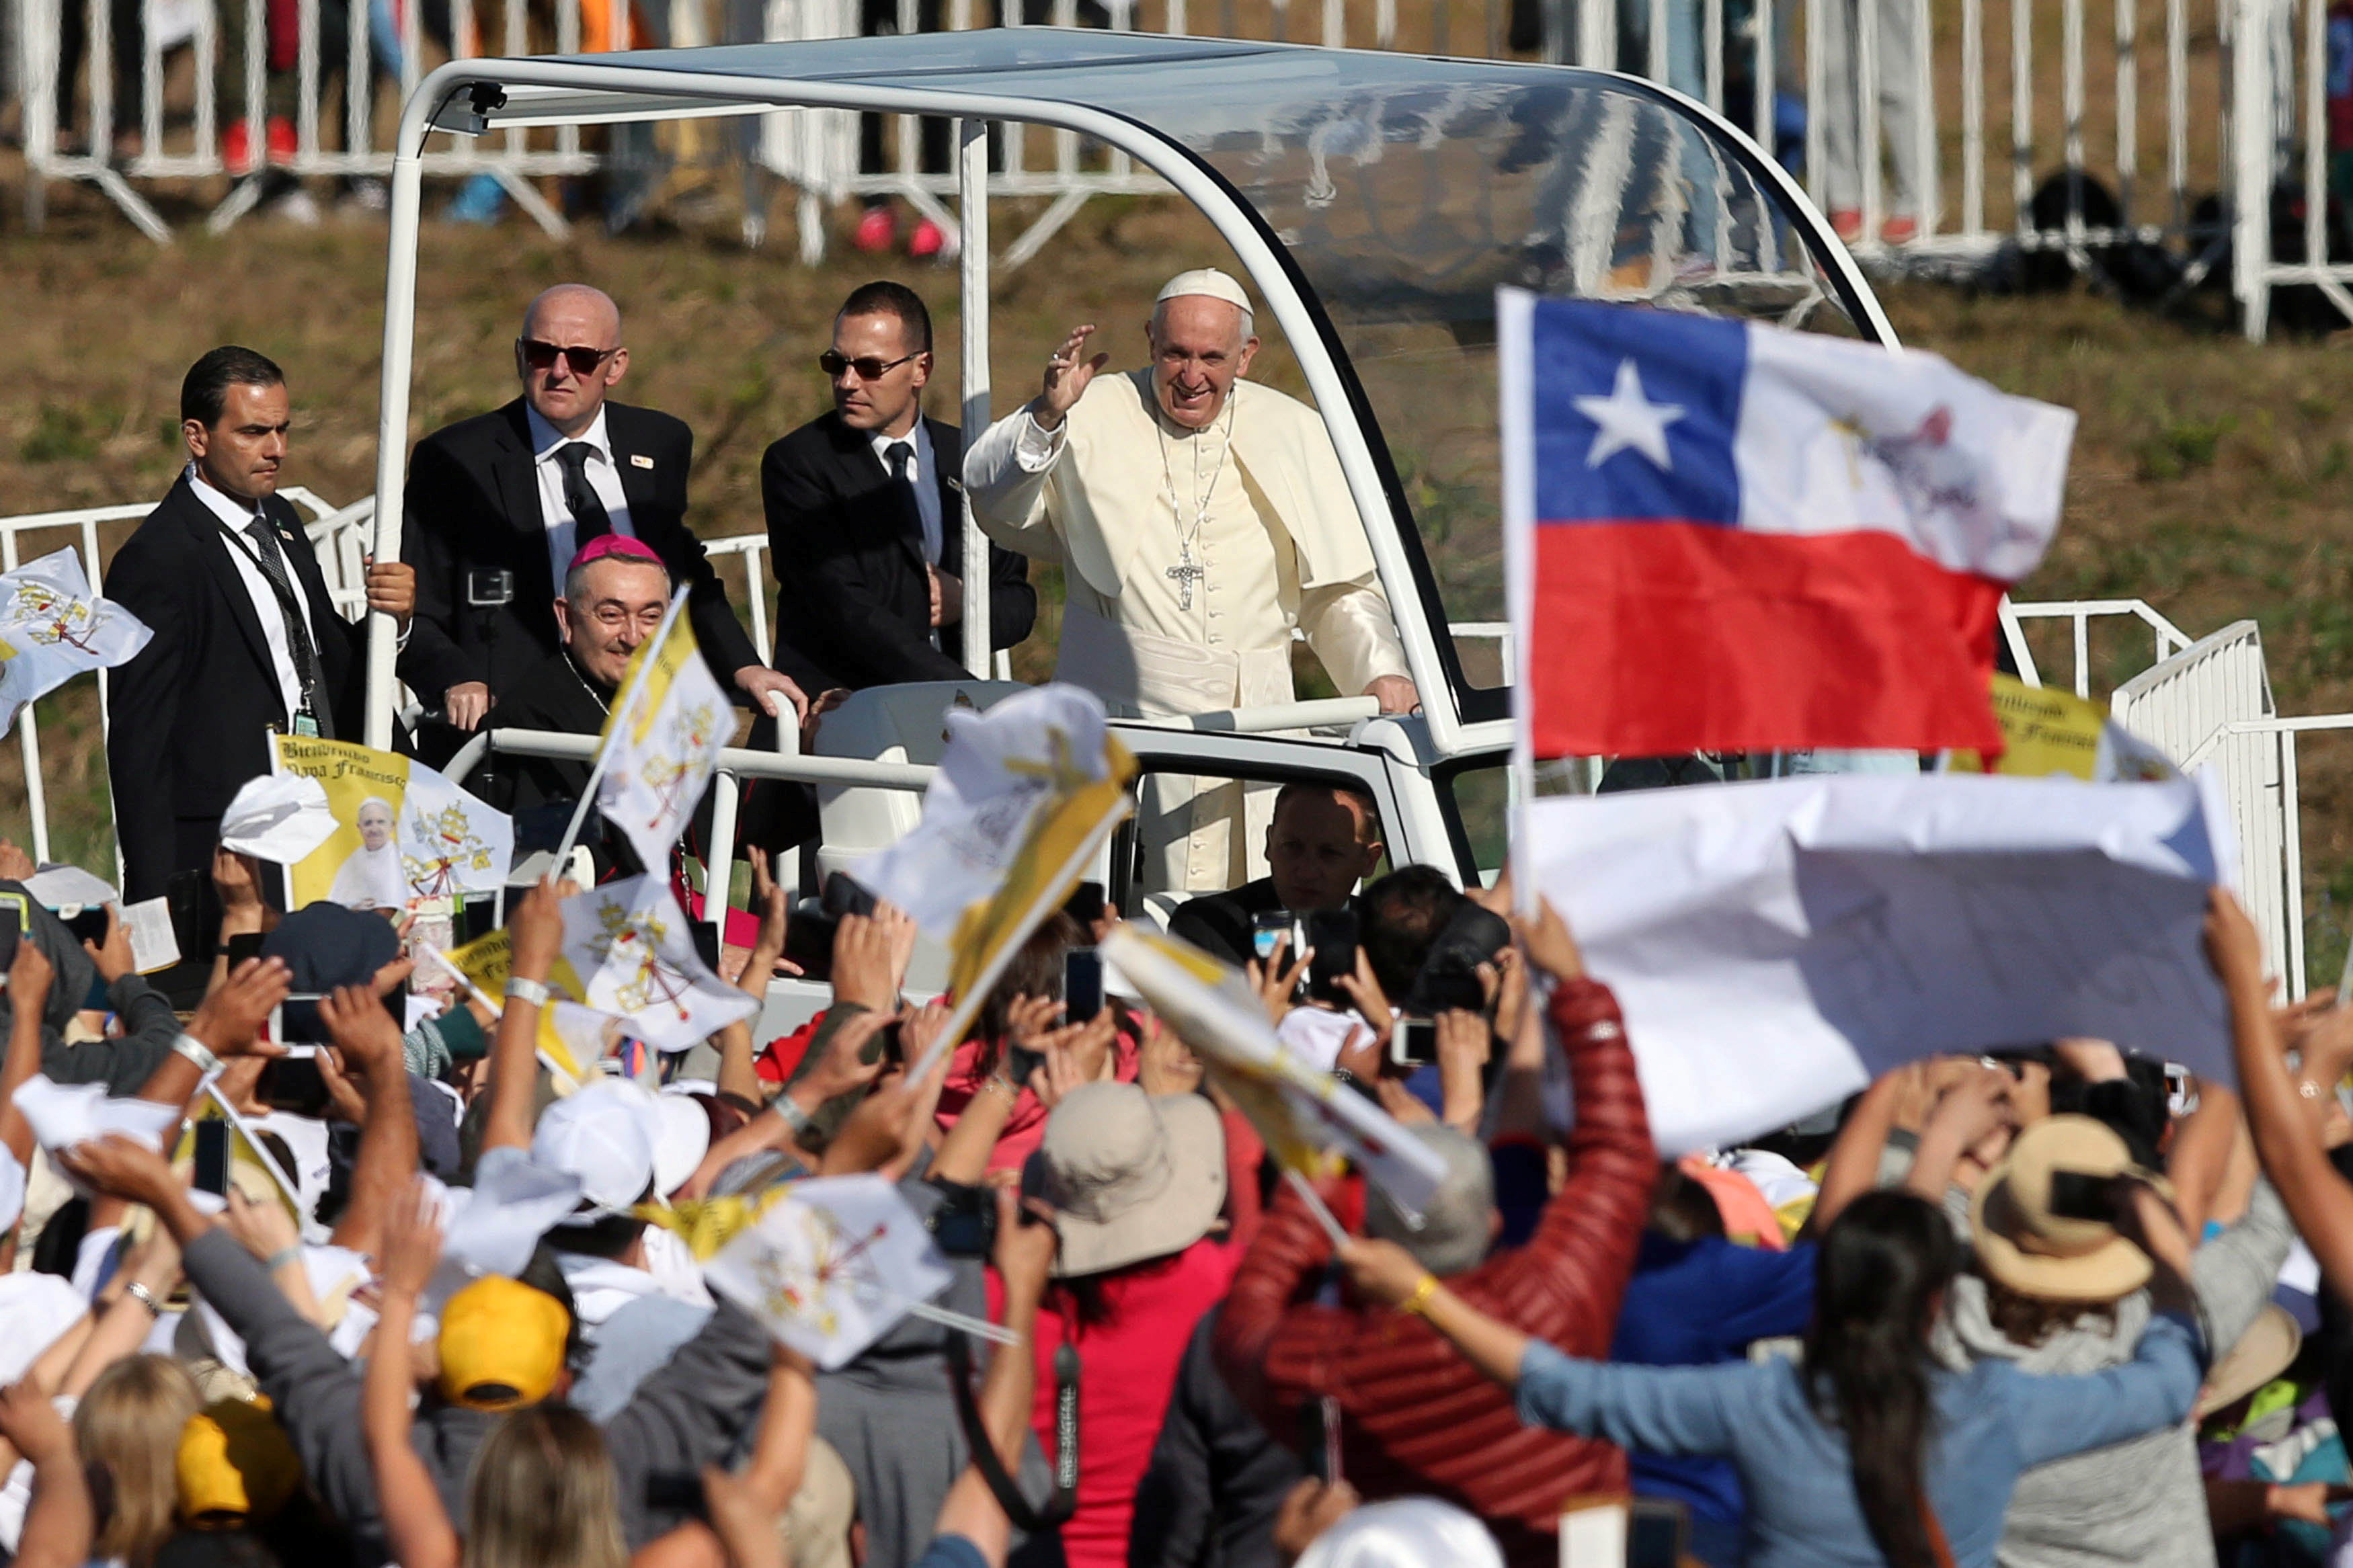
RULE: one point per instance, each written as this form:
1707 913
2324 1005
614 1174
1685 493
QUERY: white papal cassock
1188 557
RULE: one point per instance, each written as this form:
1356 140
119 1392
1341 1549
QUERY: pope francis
1200 518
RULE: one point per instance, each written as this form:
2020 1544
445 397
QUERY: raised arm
417 1526
514 1054
61 1521
28 995
1025 1252
2283 1113
385 1165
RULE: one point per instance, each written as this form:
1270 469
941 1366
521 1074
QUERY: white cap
1404 1532
681 1138
1211 281
604 1136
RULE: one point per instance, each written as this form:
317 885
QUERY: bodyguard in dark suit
865 533
246 641
498 505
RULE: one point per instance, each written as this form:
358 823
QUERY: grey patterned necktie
298 631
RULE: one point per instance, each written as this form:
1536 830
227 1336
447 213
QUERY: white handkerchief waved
279 817
63 1115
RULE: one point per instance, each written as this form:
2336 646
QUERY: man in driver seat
1325 840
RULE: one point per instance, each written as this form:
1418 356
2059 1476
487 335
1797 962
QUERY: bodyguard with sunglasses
866 520
498 504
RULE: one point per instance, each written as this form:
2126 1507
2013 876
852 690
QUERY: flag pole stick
1315 1206
980 1327
968 1002
624 710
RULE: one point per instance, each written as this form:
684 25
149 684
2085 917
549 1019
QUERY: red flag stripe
1655 638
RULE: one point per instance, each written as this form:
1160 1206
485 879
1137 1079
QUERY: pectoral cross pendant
1184 576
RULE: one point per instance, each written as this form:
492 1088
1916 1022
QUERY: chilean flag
1728 537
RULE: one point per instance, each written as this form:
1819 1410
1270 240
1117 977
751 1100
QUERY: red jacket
1416 1417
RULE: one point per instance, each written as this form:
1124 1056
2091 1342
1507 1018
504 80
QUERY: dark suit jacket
852 598
192 713
473 503
1221 922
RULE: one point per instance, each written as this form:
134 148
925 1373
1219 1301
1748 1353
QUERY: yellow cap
502 1344
235 1465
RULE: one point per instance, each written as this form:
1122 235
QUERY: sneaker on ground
296 206
1846 224
1901 229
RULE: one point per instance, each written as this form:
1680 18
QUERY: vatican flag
662 739
1309 1118
52 628
1025 796
628 954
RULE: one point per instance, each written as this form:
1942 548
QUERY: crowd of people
2037 1308
2047 1307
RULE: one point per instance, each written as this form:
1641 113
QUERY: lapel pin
640 460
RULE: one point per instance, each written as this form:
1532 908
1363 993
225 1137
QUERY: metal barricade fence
2140 137
242 86
2298 154
2212 703
2114 127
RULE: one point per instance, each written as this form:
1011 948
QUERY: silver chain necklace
1187 570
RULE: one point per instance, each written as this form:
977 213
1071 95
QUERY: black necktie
298 631
899 454
588 519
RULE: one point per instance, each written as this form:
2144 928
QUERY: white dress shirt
604 477
924 476
237 516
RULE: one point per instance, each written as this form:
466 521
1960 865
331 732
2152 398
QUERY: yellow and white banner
2045 731
1026 794
1308 1118
403 834
662 741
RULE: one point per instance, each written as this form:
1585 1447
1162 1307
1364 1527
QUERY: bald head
570 354
574 304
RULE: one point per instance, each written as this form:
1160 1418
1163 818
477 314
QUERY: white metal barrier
2143 106
2080 613
2299 76
238 83
2212 703
2140 109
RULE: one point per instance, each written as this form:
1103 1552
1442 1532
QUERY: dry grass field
2210 476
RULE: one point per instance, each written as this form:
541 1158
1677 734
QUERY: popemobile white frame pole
689 94
972 217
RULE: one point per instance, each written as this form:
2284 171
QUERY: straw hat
1130 1176
2267 1349
2022 1244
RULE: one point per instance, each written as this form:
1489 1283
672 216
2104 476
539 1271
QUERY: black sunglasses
868 368
541 356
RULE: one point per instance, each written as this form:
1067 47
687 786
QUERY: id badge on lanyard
305 724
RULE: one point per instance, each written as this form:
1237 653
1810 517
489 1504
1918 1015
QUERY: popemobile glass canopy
1377 200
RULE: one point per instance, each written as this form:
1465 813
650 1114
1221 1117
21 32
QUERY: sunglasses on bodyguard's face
868 368
541 356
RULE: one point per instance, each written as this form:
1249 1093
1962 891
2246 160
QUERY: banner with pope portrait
404 833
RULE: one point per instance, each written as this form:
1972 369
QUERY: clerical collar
590 684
